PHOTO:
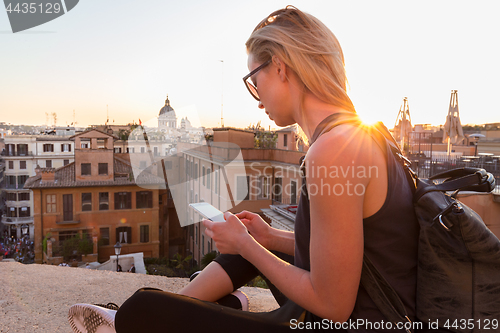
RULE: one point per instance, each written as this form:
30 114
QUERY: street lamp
118 249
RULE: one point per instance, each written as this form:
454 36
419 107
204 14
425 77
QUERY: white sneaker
88 318
243 299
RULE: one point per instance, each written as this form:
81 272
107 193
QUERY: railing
17 153
26 219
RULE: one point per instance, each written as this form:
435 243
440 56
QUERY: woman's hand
258 228
229 236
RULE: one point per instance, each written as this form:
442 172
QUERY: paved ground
36 298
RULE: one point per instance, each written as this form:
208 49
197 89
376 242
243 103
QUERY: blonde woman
361 204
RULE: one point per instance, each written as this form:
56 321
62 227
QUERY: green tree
208 258
180 264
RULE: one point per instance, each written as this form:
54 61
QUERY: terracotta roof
221 129
65 177
94 129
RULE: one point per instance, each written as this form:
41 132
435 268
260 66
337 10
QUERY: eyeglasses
248 83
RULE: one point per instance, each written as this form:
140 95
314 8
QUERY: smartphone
208 211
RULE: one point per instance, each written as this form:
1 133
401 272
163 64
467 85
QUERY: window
104 236
103 200
144 233
66 162
51 203
10 149
203 173
203 244
118 150
84 143
21 180
243 187
48 163
123 200
12 212
86 202
293 198
209 177
216 180
285 140
263 188
124 235
48 148
168 165
143 150
24 212
103 168
11 165
144 199
67 207
22 149
277 189
130 150
24 196
155 151
22 164
196 235
65 147
65 235
11 181
86 169
12 196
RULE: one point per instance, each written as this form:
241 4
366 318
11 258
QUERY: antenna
222 96
403 121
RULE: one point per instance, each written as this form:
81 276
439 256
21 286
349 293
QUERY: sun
368 118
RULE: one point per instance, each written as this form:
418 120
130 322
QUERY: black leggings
153 310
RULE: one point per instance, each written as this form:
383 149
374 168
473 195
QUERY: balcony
13 220
17 153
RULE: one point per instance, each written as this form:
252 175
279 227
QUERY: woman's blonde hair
308 48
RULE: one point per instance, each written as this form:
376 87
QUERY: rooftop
65 177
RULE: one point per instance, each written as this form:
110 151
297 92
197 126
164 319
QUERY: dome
167 109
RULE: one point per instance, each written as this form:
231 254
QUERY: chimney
48 174
38 170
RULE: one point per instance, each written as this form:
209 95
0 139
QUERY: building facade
22 155
261 178
96 196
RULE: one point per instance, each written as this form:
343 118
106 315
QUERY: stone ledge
36 298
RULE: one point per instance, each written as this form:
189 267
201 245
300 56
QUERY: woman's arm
330 288
270 238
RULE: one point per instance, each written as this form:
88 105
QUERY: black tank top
390 241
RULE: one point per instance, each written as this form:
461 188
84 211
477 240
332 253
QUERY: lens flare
123 220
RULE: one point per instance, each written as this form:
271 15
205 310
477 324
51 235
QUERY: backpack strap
468 179
382 294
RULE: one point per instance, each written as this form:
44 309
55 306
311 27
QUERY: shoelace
111 306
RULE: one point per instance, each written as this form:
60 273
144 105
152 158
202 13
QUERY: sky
124 57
